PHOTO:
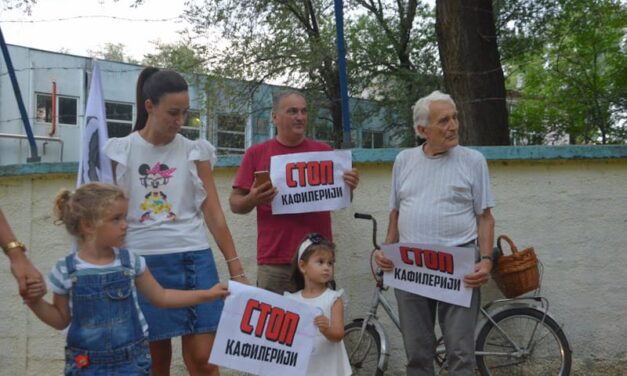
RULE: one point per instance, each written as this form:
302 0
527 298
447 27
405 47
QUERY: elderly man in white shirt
440 195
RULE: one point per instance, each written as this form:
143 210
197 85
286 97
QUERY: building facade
231 114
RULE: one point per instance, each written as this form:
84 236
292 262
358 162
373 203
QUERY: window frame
59 116
370 133
111 121
220 131
187 129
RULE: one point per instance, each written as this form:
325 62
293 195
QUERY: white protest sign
431 271
264 333
310 182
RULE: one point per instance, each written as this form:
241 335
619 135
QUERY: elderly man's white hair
421 108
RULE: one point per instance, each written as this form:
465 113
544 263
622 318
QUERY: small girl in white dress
312 272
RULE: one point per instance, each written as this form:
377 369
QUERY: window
261 127
231 134
67 109
324 133
191 129
119 118
44 108
372 139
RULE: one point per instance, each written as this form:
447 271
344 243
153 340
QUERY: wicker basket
517 273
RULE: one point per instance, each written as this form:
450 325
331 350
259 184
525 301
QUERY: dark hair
318 243
276 97
153 84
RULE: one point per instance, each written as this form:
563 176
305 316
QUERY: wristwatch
14 244
484 257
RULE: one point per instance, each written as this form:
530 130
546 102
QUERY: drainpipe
54 109
20 103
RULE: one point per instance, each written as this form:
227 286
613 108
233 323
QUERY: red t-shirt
278 236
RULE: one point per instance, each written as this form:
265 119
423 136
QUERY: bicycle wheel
524 342
363 350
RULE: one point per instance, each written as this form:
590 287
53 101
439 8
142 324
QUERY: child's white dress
328 358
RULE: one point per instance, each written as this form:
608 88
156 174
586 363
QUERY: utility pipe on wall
54 109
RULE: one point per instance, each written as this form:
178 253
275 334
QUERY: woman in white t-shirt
173 199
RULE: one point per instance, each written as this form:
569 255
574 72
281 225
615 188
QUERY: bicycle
513 336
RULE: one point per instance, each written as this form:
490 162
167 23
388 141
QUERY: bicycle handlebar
374 227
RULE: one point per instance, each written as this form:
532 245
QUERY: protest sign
431 271
264 333
310 182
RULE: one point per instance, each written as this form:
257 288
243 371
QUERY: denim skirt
194 270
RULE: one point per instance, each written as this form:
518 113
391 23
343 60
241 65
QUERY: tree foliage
183 56
275 40
576 84
114 52
25 6
393 58
389 49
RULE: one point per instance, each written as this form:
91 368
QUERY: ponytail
142 114
152 84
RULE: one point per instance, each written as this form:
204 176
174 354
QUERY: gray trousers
417 316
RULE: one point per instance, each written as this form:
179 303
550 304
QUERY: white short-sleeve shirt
439 198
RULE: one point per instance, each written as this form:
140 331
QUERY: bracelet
12 245
486 258
232 259
238 276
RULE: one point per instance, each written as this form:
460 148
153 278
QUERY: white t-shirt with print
166 194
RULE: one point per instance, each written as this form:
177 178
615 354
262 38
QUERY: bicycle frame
490 312
371 318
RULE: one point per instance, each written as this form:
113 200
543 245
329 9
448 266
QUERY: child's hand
35 290
218 291
322 322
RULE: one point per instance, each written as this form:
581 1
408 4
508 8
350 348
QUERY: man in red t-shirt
278 236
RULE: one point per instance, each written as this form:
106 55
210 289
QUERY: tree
183 56
521 27
114 52
290 40
472 70
393 56
576 85
23 5
390 50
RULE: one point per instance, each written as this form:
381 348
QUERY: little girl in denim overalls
95 288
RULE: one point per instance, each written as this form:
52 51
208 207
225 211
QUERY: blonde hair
88 203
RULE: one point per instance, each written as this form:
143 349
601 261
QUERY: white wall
572 212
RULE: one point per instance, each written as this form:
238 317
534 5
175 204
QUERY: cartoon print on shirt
155 205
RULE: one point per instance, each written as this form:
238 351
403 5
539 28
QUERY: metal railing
40 138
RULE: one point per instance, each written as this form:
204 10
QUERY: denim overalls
105 335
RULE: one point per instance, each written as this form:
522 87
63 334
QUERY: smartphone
261 177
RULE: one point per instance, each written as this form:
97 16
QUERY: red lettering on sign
312 173
445 260
326 172
248 312
274 323
432 260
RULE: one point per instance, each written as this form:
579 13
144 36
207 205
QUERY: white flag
93 164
